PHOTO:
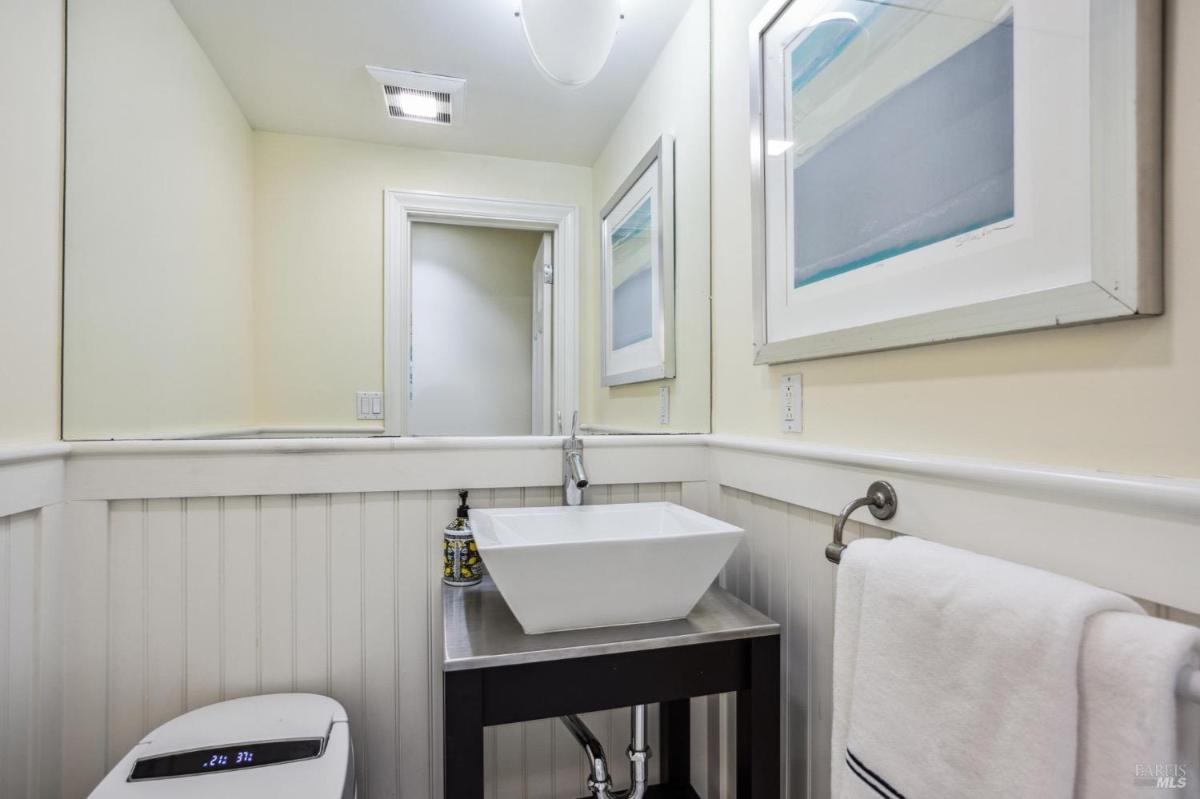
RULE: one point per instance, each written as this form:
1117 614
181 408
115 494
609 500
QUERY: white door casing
542 338
560 221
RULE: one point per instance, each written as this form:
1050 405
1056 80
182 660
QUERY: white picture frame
637 272
1084 239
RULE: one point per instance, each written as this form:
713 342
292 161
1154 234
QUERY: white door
543 318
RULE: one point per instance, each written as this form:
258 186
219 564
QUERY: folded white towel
965 675
851 577
1134 730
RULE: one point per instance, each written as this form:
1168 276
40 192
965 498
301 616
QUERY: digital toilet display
225 758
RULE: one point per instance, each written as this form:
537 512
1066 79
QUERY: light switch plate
664 404
370 405
791 404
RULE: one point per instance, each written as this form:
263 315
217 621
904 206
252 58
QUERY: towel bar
880 498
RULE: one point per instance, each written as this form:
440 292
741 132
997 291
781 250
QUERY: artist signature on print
982 233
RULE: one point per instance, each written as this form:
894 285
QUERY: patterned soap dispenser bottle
461 564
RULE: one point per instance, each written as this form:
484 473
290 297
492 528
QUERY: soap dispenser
461 563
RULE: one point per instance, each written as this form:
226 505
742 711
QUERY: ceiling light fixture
417 104
420 96
570 39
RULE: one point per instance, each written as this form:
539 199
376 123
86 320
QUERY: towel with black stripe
956 675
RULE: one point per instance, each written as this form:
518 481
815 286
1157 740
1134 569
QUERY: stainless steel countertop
481 632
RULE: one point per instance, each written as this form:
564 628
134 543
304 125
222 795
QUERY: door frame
403 208
542 340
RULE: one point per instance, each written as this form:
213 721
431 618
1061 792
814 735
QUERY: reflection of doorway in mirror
542 338
480 315
479 309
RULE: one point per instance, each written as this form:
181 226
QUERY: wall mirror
305 218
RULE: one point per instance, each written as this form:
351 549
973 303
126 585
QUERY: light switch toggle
370 405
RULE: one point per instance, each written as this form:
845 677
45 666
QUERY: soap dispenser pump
461 563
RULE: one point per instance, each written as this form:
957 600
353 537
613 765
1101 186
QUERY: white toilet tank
279 745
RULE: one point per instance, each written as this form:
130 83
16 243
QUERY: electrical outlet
370 405
791 404
664 404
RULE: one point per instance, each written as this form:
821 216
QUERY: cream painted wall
319 258
472 330
159 208
674 99
31 91
1120 396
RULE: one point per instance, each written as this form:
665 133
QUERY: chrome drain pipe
599 781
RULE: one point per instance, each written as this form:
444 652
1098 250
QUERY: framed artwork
637 272
943 169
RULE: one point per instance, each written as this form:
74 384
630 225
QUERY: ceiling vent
420 96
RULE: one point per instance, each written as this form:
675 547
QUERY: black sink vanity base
495 674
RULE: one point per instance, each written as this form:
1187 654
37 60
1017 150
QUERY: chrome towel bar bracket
880 498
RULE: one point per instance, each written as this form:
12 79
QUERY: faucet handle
575 424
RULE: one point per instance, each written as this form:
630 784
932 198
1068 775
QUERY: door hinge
548 273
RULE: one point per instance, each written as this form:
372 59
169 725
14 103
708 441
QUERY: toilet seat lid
273 717
242 721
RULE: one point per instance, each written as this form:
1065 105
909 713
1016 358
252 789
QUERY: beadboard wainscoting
30 652
140 579
174 603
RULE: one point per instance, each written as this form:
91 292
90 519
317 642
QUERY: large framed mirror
306 218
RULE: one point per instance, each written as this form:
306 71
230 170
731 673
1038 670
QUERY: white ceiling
297 66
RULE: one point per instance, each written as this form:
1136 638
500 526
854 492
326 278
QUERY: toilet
278 745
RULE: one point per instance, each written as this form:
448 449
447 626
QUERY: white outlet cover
664 404
791 404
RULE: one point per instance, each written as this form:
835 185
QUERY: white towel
1134 729
851 577
965 675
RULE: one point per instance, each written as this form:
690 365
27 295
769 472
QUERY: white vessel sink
564 568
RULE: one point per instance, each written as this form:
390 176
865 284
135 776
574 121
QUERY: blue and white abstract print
902 129
633 289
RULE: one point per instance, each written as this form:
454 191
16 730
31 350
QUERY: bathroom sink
567 568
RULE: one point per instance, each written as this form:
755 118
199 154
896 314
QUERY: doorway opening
481 335
481 313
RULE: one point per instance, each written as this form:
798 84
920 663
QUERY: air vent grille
418 104
421 96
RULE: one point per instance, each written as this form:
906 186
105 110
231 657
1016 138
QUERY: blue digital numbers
242 757
227 758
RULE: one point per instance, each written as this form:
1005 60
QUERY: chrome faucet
575 477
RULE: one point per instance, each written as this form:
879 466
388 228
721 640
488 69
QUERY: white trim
303 445
32 477
616 430
33 452
401 209
302 431
1153 494
219 433
1133 534
150 469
